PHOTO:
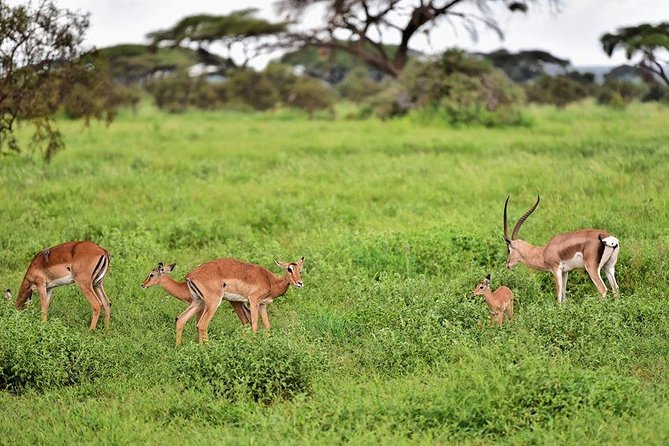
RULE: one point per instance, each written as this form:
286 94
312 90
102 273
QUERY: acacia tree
239 28
40 46
362 27
651 42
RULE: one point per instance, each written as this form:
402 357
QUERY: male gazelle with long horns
592 249
238 282
160 276
84 263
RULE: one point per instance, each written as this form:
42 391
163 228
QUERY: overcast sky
573 33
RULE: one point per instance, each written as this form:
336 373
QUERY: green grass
398 221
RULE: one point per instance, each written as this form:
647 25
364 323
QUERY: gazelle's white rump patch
611 241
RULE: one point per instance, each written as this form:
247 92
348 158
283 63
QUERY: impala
238 282
180 290
499 301
592 249
84 263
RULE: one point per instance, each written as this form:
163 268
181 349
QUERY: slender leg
194 307
509 309
264 317
592 272
610 271
565 277
611 277
96 305
255 307
210 308
557 275
241 313
500 317
106 305
44 296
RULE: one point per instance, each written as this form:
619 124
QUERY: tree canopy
239 27
650 42
363 27
40 64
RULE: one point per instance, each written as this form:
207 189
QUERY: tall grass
398 221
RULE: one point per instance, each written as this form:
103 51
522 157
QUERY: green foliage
524 66
398 221
358 85
179 92
41 66
646 40
259 368
558 90
457 88
619 94
41 357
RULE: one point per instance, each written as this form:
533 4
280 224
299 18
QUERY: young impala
592 249
84 263
180 290
238 282
499 301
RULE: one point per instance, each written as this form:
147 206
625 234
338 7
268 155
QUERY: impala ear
301 261
281 264
169 268
487 277
160 267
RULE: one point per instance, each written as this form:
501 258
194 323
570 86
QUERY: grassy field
384 345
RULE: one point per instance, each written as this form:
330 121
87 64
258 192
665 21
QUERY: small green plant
40 357
247 367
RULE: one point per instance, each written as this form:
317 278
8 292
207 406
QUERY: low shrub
248 367
39 356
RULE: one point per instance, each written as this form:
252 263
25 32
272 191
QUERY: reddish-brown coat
82 262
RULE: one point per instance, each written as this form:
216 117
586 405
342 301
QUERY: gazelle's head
514 243
156 275
482 287
293 270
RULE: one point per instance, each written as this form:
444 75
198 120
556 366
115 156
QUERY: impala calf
180 290
499 301
592 249
84 263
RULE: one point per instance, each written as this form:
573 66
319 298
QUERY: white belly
235 297
65 280
573 263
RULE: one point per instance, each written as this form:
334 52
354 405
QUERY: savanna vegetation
398 221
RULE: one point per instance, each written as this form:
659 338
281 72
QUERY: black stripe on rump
195 291
100 270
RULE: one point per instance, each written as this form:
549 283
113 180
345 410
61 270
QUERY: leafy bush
358 85
557 90
41 356
246 366
178 92
310 95
252 88
457 88
619 94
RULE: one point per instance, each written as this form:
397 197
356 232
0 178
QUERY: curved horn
506 225
522 219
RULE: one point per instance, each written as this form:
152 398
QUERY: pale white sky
572 33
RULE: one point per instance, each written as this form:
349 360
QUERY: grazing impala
180 290
499 301
238 282
592 249
84 263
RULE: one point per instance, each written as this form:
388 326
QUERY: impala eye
481 287
290 269
151 275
